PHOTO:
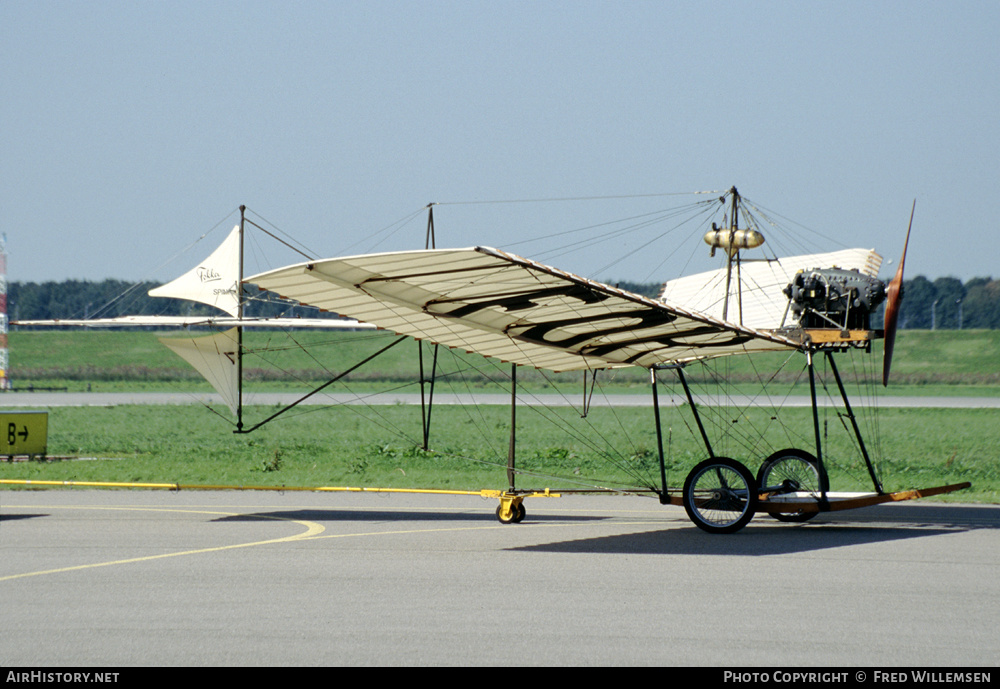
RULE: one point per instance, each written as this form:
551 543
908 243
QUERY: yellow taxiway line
312 529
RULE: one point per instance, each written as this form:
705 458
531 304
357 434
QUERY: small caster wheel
515 515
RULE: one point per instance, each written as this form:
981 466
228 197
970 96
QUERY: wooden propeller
894 297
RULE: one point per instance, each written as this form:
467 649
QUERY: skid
807 502
836 501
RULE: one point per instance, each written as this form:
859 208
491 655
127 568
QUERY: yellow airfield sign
23 432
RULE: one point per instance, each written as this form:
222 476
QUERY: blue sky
129 129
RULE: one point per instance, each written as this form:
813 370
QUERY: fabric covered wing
502 306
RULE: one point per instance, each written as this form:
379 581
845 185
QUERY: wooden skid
851 501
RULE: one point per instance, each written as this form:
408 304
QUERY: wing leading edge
199 321
510 308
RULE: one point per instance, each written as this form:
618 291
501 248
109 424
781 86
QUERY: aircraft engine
833 297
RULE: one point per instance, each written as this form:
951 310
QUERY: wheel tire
720 495
801 470
517 513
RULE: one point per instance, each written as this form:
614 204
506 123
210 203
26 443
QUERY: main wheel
790 471
720 495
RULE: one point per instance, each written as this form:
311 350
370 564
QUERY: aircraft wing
510 308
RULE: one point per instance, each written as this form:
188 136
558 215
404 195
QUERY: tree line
944 303
948 304
113 298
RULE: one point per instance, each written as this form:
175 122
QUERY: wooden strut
513 418
240 309
427 406
664 496
239 330
824 503
731 255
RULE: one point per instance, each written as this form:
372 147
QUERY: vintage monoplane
527 314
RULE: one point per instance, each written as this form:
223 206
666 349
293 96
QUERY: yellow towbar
510 511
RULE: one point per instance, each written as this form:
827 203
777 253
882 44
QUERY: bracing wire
698 214
573 198
381 236
130 291
608 451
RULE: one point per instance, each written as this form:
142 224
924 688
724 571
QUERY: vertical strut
426 406
429 241
239 330
824 480
426 409
513 419
664 499
731 252
854 424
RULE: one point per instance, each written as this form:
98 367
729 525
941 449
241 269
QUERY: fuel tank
731 241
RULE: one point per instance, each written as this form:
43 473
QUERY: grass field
377 446
925 362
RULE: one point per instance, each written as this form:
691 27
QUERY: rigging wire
476 418
130 291
697 210
608 451
573 198
784 230
699 213
699 226
636 222
285 238
387 232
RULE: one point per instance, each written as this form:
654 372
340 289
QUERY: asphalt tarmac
137 578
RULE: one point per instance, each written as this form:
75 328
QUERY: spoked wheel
720 495
790 471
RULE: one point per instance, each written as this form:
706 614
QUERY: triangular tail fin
215 281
